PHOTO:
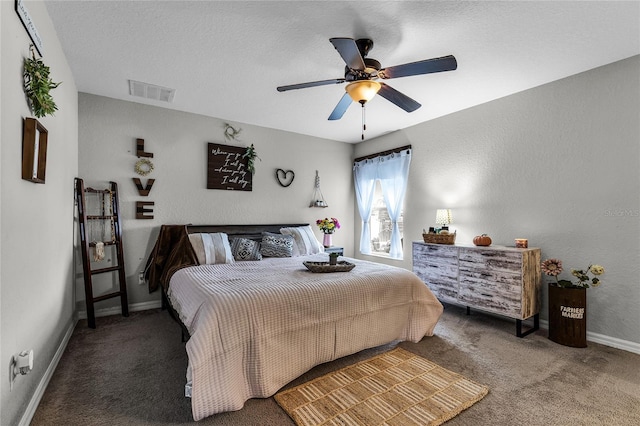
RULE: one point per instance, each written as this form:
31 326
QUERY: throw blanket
255 326
171 252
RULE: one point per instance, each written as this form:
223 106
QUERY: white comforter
255 326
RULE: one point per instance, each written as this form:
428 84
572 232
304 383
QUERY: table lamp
443 218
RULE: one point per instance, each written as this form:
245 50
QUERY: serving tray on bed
341 266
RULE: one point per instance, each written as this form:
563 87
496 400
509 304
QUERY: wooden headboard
251 232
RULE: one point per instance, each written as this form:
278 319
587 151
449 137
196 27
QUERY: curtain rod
383 153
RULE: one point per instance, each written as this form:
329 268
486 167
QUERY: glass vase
327 240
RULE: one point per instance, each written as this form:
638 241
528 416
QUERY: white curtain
393 172
364 176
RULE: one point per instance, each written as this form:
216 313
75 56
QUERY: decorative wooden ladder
109 211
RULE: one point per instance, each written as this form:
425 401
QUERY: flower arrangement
328 226
553 268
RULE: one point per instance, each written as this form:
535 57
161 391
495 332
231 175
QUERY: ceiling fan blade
310 84
398 98
446 63
341 108
349 51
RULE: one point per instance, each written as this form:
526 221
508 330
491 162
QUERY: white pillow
211 248
305 241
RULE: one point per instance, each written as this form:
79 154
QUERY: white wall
36 221
557 164
108 130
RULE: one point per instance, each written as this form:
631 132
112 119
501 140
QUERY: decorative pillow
305 241
276 245
245 249
211 248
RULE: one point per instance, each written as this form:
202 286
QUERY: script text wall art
227 168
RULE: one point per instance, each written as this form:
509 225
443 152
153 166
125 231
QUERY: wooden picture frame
34 151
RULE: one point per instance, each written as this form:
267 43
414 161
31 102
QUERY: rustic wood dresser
497 279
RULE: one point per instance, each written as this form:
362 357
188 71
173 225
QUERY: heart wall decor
285 178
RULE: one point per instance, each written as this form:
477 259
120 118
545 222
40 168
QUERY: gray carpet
130 371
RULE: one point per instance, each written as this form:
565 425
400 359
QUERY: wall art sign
144 166
227 168
23 13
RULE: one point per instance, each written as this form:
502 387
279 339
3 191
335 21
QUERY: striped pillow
245 249
211 248
276 245
305 241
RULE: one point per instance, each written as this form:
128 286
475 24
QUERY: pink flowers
328 226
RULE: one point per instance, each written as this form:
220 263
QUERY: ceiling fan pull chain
364 124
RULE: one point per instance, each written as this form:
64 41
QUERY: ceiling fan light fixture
363 91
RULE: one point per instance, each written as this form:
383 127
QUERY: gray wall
36 221
557 164
108 130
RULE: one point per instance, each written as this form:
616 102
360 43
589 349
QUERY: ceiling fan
363 73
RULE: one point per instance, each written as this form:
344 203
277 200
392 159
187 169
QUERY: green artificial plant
251 155
37 85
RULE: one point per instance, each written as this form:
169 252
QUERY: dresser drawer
437 253
441 279
495 291
437 266
482 298
492 260
500 281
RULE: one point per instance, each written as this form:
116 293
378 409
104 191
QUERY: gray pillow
245 249
276 245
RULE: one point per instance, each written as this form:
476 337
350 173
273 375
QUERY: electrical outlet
12 372
20 364
141 278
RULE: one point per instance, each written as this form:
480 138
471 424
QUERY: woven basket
439 238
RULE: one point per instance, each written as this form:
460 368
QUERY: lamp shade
362 90
443 216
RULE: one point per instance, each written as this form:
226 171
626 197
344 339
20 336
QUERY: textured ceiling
226 58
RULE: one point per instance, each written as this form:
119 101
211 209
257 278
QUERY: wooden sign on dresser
502 280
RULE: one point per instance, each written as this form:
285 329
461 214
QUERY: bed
254 326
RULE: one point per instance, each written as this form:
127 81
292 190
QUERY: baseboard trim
42 386
116 310
603 339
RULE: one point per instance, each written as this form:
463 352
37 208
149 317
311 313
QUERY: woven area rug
394 388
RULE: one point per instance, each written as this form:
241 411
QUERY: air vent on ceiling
151 91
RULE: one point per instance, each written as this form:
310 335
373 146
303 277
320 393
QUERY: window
380 184
381 224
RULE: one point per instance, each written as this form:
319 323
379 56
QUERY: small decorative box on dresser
502 280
